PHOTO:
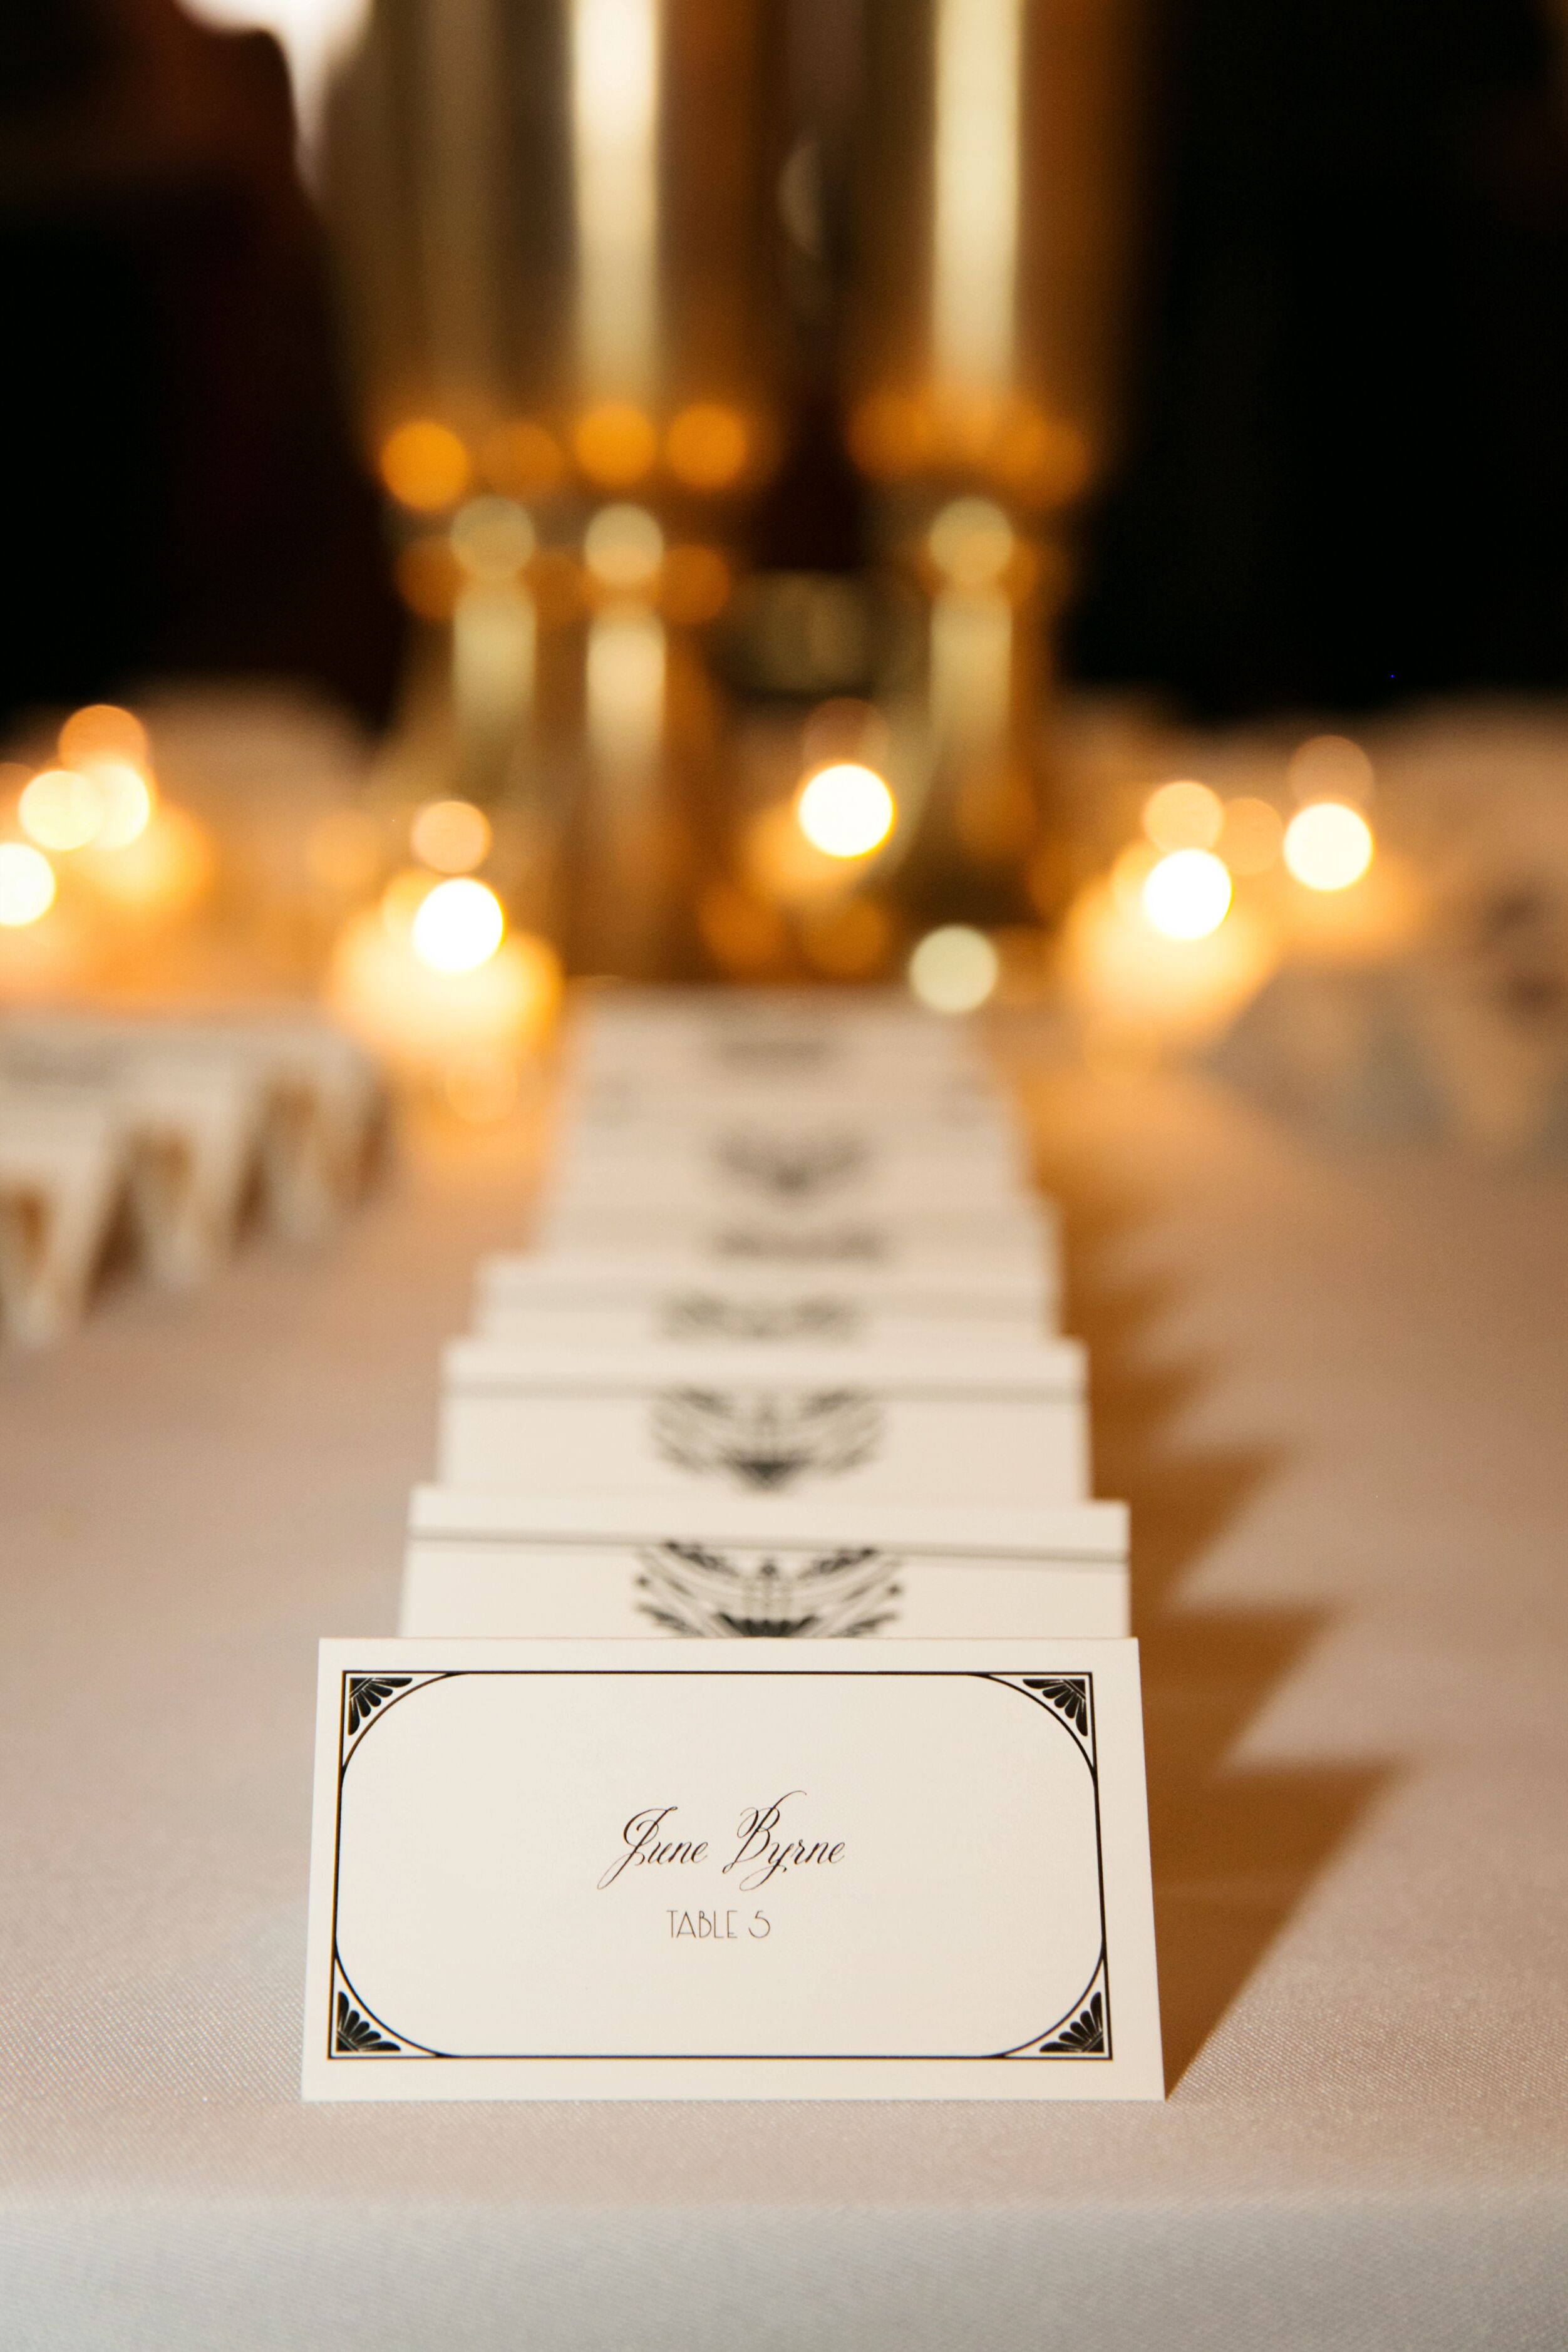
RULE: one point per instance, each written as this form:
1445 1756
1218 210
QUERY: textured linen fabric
1334 1389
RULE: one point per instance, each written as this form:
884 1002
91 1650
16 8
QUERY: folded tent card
169 1123
671 1420
574 1300
745 1566
707 1870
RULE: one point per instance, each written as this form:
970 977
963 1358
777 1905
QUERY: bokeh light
427 1024
459 926
61 808
1187 895
1252 836
845 811
454 836
615 444
1328 846
401 900
972 542
127 802
707 445
425 465
103 731
623 547
1130 873
1183 815
492 537
27 884
161 870
1330 768
953 969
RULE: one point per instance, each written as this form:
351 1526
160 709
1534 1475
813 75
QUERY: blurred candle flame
27 884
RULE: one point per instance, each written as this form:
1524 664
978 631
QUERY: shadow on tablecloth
1236 1847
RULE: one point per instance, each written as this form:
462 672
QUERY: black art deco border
355 2034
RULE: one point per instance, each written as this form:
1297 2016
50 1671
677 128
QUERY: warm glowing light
425 465
1330 768
623 547
492 537
1187 895
1252 836
27 884
970 671
953 969
522 459
127 802
625 681
401 901
707 445
61 808
615 444
163 870
495 646
694 586
482 1086
1130 873
972 542
427 1024
459 927
1138 987
845 811
1183 815
975 228
103 731
454 836
614 126
1328 846
317 36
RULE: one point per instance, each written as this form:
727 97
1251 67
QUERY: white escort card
755 1566
1012 1238
667 1421
775 1039
954 1103
575 1302
731 1870
716 1159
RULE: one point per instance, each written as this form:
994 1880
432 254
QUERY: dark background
1344 476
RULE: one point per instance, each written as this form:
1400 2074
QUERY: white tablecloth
1335 1390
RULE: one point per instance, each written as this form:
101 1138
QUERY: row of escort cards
762 1721
783 1360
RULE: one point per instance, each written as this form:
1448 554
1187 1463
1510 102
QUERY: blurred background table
1333 1388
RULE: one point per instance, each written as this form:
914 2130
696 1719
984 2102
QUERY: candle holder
553 214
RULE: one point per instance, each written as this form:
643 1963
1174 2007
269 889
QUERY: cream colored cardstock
714 1870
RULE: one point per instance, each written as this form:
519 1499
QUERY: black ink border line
420 2052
